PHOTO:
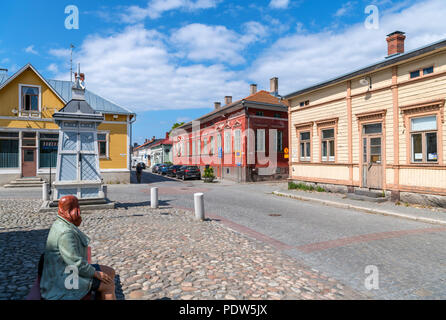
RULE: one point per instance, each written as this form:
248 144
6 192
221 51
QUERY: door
372 156
28 162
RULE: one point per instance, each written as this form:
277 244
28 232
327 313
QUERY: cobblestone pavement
162 254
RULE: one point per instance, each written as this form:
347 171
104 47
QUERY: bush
304 187
209 173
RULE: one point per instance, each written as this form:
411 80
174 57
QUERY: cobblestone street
162 254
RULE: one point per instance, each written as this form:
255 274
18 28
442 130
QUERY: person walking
138 172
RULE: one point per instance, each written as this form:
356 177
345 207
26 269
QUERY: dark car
162 169
155 168
172 170
189 172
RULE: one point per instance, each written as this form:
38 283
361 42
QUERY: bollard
104 189
45 195
199 206
154 198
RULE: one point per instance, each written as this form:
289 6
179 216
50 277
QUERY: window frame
30 113
423 134
332 140
421 72
107 145
18 139
263 149
300 141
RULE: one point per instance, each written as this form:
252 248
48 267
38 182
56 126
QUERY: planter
209 179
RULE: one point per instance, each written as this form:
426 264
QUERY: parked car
155 168
172 170
189 172
164 168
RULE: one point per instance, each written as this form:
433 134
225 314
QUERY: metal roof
389 61
63 88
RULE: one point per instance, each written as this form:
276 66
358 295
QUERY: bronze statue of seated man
67 275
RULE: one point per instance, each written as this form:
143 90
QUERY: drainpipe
247 139
131 140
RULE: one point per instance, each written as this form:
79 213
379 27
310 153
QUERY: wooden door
372 161
28 162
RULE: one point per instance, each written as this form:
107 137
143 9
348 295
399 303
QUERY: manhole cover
275 215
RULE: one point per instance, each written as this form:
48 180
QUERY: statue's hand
103 277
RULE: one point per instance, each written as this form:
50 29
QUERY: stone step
23 185
355 196
27 181
369 193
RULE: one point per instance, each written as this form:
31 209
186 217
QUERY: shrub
304 187
209 173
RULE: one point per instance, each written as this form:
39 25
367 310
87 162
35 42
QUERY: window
194 150
260 113
260 140
417 73
48 150
205 145
279 141
187 148
183 149
277 115
305 146
428 70
198 147
9 149
304 103
237 140
218 142
211 148
30 98
328 145
102 145
227 141
424 139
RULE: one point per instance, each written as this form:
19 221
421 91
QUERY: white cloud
216 43
345 9
301 60
155 8
53 68
135 69
279 4
60 53
31 50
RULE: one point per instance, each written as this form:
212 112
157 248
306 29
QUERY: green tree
176 125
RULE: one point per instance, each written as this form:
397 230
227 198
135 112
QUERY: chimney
252 89
228 100
167 135
217 105
395 43
274 86
81 76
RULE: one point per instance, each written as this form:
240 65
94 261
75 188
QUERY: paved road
409 255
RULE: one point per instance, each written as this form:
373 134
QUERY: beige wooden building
381 127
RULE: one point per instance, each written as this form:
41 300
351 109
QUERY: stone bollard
154 198
199 206
45 195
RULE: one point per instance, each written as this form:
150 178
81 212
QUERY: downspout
131 140
247 140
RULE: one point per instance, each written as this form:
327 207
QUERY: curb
363 209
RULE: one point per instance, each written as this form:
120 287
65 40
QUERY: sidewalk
428 215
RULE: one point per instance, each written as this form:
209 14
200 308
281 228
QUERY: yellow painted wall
9 99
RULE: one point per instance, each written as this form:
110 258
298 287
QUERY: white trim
114 122
21 85
269 118
25 118
129 165
115 170
10 171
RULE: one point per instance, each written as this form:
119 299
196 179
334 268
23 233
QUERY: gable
9 94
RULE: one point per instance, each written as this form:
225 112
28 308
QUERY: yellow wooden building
28 133
377 128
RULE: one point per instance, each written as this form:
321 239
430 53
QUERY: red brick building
245 140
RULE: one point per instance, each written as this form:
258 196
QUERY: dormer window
29 100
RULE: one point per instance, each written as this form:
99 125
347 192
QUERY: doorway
29 159
372 171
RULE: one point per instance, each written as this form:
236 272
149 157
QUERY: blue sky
171 60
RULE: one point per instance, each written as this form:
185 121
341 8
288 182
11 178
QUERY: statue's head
69 210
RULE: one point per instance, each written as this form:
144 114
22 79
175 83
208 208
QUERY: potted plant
208 175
